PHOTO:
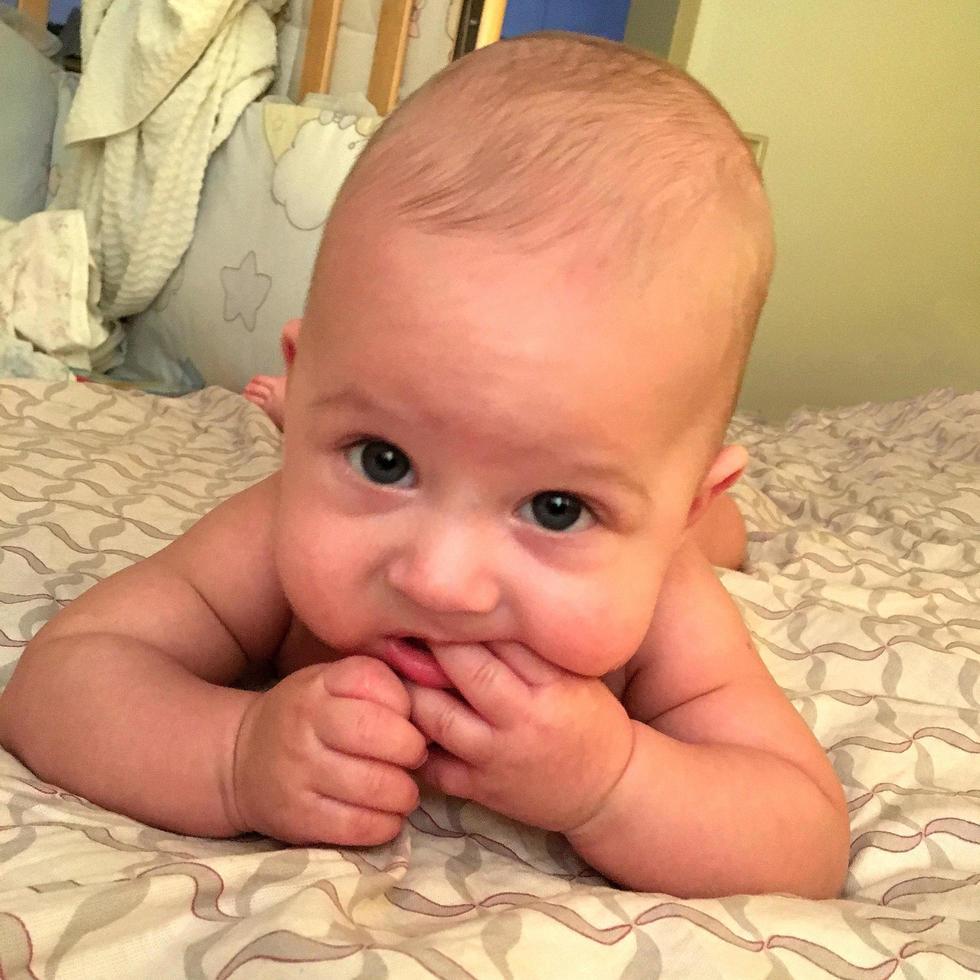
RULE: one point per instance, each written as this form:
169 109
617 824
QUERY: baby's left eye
555 510
381 462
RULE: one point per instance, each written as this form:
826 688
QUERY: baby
484 563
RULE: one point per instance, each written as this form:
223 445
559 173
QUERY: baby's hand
532 741
322 756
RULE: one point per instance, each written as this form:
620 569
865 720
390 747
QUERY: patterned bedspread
864 597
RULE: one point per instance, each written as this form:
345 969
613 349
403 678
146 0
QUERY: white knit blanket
164 82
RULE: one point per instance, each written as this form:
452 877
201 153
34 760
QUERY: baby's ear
288 341
728 466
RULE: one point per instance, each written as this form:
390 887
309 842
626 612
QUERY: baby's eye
555 510
381 462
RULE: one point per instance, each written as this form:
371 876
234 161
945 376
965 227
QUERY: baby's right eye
557 511
381 462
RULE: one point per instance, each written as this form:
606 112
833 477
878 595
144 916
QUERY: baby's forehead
488 292
520 348
544 148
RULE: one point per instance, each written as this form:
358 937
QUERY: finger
529 666
450 723
320 819
448 775
485 681
366 679
370 731
365 783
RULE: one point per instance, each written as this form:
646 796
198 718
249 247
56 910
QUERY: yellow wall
873 168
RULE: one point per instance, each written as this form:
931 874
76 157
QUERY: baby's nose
446 568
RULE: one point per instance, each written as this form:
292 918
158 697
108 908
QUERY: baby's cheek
593 638
313 573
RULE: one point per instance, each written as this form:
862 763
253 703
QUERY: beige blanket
863 595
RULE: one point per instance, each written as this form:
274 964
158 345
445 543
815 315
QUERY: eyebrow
614 475
352 396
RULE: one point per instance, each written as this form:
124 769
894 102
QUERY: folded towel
164 82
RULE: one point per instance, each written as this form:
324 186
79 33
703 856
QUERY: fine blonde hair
552 135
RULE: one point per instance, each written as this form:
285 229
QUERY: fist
523 737
323 756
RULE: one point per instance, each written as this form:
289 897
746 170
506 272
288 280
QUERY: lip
413 663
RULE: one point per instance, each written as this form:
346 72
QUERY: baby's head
525 334
600 152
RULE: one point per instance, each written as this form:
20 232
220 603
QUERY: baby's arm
726 790
123 698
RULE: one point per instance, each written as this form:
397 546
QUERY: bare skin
719 532
483 563
268 392
596 681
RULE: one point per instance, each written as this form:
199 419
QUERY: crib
862 593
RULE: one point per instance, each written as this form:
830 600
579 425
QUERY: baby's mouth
411 656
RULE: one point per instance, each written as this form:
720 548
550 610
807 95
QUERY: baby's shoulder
696 644
238 531
228 556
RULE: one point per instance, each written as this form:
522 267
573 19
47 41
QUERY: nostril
418 643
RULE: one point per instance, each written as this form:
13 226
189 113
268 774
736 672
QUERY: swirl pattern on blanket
863 594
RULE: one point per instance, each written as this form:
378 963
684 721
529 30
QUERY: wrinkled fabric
48 296
862 594
164 83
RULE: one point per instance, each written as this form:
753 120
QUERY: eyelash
589 506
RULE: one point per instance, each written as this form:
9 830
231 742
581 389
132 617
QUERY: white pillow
267 193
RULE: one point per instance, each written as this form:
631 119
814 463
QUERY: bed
863 595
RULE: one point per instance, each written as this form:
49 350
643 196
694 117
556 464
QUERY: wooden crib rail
37 10
491 21
389 49
321 42
389 55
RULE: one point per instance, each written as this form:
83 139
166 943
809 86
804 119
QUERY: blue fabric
605 18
